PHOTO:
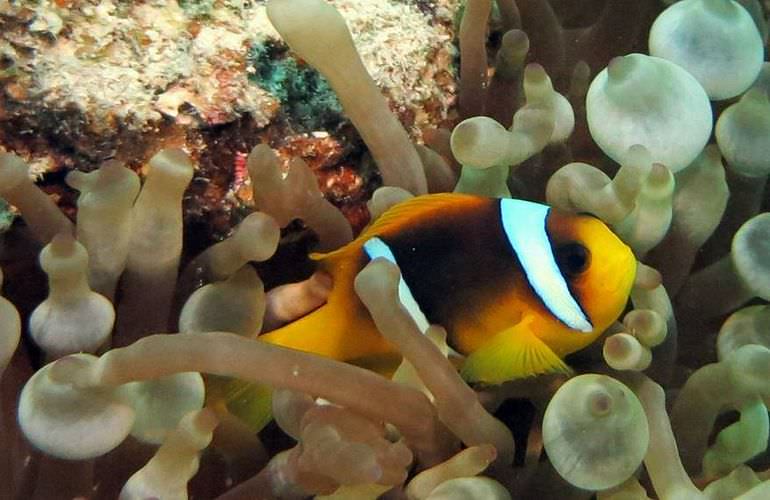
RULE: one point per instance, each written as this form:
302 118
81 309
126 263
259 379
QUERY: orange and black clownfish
517 285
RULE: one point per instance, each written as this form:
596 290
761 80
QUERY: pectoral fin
513 353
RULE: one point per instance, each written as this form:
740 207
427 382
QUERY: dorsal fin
397 216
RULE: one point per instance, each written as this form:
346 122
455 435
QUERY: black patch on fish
449 263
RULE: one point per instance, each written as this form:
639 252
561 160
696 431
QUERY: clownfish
517 285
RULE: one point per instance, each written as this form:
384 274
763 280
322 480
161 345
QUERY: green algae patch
305 95
6 217
197 8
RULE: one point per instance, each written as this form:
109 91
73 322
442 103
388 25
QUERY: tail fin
251 403
340 329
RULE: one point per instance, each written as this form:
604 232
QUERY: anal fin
511 354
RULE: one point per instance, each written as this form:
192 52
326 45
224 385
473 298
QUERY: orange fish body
517 285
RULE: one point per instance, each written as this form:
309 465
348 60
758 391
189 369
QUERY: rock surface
85 81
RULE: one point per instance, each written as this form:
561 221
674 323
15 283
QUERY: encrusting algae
562 293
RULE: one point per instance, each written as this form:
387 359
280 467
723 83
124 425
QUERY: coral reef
87 81
129 374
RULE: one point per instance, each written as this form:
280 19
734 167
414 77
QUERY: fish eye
573 258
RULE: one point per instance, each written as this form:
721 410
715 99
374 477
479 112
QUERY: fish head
598 267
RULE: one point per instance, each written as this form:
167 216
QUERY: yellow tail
251 403
341 329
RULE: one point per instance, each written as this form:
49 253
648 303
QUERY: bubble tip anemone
70 422
650 101
595 432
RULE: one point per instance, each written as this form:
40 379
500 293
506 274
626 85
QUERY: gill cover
524 223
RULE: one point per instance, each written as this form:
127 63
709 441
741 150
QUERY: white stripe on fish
524 223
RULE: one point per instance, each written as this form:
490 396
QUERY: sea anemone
100 401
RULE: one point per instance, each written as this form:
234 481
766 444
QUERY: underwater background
172 167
